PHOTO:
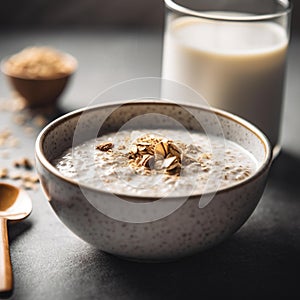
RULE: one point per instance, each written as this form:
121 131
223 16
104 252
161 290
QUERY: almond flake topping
155 153
105 146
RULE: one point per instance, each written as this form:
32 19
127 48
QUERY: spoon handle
6 281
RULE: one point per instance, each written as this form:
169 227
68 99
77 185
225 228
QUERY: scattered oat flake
19 119
30 177
13 142
3 173
39 121
23 162
29 130
205 168
105 146
7 139
206 156
28 185
13 104
5 133
15 176
17 103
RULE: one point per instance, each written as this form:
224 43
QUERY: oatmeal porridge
157 163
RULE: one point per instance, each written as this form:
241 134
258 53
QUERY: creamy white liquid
236 66
112 172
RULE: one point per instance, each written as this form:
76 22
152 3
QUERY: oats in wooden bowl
39 74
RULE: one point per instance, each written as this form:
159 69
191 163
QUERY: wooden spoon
15 204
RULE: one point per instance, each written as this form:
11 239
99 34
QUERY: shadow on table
286 170
15 229
50 113
241 268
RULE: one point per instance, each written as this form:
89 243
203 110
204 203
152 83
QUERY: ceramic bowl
40 92
188 229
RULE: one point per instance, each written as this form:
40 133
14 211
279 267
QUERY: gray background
91 13
84 13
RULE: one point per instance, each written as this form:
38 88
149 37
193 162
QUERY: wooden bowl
40 91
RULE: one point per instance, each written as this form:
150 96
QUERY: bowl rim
65 54
39 155
172 5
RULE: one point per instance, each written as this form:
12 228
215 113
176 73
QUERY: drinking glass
233 53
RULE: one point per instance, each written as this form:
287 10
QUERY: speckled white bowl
187 230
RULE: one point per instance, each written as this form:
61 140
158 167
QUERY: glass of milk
233 53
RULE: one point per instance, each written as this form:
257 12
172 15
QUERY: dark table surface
262 260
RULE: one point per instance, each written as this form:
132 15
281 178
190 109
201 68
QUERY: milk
238 67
